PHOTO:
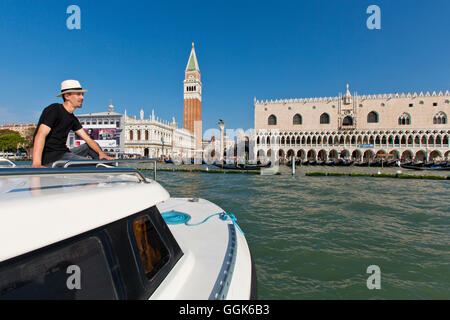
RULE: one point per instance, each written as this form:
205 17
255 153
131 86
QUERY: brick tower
192 115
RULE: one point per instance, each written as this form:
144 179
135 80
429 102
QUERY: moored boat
234 166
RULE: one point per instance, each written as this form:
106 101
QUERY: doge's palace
400 125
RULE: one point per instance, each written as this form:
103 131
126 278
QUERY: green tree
10 141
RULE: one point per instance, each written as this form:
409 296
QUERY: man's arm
91 143
38 147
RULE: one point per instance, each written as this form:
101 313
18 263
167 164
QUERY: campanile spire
192 95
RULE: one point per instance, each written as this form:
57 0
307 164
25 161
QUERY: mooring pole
293 165
154 171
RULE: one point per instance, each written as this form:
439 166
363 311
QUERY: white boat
99 233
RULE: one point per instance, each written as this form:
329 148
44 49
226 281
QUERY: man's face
75 99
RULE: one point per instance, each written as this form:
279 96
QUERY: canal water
315 237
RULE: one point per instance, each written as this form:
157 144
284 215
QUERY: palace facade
362 127
153 138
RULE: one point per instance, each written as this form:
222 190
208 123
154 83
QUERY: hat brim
70 91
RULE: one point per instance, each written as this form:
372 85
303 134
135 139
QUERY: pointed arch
348 121
440 118
324 118
297 119
410 141
438 141
445 141
417 140
404 119
403 140
424 140
272 120
377 140
372 117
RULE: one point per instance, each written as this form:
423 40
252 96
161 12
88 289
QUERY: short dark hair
63 96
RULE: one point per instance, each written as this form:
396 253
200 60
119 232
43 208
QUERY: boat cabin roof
39 207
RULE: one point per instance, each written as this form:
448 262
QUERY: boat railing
103 163
115 162
73 170
8 162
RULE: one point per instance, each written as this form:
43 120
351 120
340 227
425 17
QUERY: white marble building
153 137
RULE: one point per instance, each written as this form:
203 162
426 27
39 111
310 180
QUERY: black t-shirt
61 122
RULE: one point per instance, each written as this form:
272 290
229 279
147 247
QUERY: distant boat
241 166
297 163
361 164
441 166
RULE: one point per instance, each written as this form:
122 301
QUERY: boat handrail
65 171
115 162
13 165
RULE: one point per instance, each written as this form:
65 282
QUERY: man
54 126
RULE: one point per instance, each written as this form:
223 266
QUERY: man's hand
37 165
103 156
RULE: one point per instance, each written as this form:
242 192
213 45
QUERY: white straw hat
68 86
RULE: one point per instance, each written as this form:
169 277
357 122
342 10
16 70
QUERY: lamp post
221 125
162 141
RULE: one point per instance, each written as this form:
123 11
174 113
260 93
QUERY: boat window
75 271
152 251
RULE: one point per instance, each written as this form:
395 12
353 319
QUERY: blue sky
135 53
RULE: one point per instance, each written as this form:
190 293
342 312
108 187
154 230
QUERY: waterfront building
154 138
106 128
398 125
192 94
25 130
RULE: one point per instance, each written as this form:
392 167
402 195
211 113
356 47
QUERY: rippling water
314 237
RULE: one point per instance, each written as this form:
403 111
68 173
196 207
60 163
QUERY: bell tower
192 115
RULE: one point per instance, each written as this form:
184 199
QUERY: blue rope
174 217
231 217
197 224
